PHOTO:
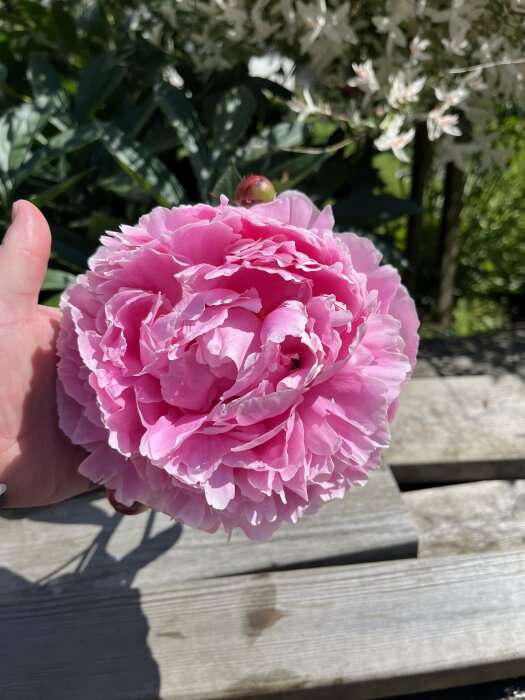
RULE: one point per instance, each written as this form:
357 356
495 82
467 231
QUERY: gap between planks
481 516
452 429
85 536
364 631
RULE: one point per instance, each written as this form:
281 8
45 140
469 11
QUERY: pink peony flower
234 367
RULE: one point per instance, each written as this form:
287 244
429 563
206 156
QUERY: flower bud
133 509
254 189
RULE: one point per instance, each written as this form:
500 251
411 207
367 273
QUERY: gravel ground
490 353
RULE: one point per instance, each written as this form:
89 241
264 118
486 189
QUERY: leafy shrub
493 231
93 131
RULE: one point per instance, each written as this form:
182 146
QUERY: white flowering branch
383 66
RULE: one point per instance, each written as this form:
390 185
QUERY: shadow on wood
69 621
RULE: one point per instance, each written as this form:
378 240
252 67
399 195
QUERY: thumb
24 255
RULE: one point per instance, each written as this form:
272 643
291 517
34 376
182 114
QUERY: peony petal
234 367
365 256
188 384
167 434
293 208
220 489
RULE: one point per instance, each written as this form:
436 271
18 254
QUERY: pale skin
38 463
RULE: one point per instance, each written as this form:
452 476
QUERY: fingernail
3 489
14 210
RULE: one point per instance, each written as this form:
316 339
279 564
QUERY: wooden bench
460 429
95 605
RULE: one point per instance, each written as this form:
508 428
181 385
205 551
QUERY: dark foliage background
93 132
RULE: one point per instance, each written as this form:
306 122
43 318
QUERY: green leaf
100 223
144 168
4 145
160 140
57 279
120 183
53 300
64 26
271 140
184 119
62 144
288 173
132 117
46 86
233 115
25 122
388 167
226 185
69 248
51 193
272 87
97 81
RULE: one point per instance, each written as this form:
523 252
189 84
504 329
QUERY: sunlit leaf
46 86
142 167
51 193
272 139
233 115
225 185
25 122
57 279
60 145
53 300
185 121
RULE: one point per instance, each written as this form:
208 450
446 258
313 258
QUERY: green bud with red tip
254 189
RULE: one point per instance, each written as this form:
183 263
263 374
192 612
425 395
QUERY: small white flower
418 47
474 81
489 48
315 19
275 67
451 98
262 29
438 16
382 24
438 123
338 29
403 92
365 77
304 108
390 25
457 45
392 139
173 77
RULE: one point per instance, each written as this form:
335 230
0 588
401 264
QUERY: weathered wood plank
484 516
363 631
459 429
371 523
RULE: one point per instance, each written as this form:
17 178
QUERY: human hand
37 461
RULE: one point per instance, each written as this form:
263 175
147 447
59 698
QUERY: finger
24 255
27 486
